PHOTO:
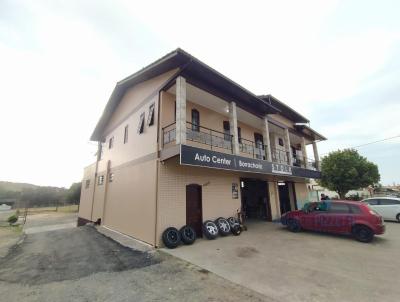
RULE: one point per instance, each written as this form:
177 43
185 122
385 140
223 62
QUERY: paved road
80 264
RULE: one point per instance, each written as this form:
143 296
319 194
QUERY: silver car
387 207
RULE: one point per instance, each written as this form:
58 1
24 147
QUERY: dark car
339 217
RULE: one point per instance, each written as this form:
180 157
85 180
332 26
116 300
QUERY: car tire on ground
188 234
398 217
171 238
363 233
210 229
293 225
223 225
236 230
233 221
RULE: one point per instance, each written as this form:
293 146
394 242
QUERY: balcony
210 139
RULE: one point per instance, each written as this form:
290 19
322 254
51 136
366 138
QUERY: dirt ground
80 264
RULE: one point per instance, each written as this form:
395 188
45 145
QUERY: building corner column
267 140
304 151
180 110
234 127
288 149
316 156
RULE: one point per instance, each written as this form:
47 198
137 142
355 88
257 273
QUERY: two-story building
180 143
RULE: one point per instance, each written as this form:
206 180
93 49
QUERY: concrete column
267 140
180 110
316 156
234 127
288 149
304 151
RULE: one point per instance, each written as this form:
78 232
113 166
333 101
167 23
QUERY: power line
370 143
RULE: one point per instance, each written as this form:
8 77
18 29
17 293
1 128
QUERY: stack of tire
172 238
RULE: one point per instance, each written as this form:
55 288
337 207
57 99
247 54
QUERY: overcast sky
336 62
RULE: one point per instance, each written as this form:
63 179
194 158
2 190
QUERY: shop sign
207 158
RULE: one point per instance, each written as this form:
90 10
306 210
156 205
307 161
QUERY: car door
389 208
374 204
338 218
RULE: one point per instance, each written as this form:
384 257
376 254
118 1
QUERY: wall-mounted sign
235 191
206 158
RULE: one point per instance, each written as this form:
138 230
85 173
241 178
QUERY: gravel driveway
80 264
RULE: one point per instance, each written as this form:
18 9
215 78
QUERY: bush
12 219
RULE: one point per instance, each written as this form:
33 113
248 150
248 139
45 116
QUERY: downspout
95 176
157 164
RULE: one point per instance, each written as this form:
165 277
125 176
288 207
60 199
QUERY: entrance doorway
194 208
255 199
287 199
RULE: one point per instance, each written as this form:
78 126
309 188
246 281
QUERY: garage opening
194 208
286 196
255 199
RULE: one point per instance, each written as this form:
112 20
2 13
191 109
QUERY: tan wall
302 193
131 200
85 207
216 194
281 119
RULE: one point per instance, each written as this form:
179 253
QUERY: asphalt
81 264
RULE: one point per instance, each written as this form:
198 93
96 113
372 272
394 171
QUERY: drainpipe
95 176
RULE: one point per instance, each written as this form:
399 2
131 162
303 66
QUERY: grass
13 229
61 209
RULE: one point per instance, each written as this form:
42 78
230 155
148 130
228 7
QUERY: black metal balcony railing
257 150
219 140
280 156
207 136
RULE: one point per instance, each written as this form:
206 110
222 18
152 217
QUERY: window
387 202
227 131
141 124
259 140
280 141
87 183
372 202
111 177
355 209
100 180
100 151
150 119
126 134
240 135
336 207
195 120
111 142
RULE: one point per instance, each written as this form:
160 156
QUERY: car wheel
233 221
398 217
363 233
293 225
236 230
223 225
171 238
188 234
210 229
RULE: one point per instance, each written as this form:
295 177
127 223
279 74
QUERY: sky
336 62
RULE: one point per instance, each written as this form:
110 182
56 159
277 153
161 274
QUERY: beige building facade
180 143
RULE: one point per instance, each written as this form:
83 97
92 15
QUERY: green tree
347 170
74 193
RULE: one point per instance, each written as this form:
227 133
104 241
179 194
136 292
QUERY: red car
339 217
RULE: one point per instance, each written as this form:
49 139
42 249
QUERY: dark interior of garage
255 199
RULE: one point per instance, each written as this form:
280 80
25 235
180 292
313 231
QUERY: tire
188 234
363 233
233 221
293 225
236 230
171 238
398 217
223 225
210 229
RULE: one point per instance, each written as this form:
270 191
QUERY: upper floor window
150 118
195 120
111 177
87 183
280 141
100 151
239 135
126 130
227 131
259 140
111 142
141 124
100 180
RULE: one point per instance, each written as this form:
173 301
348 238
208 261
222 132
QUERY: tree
347 170
74 193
